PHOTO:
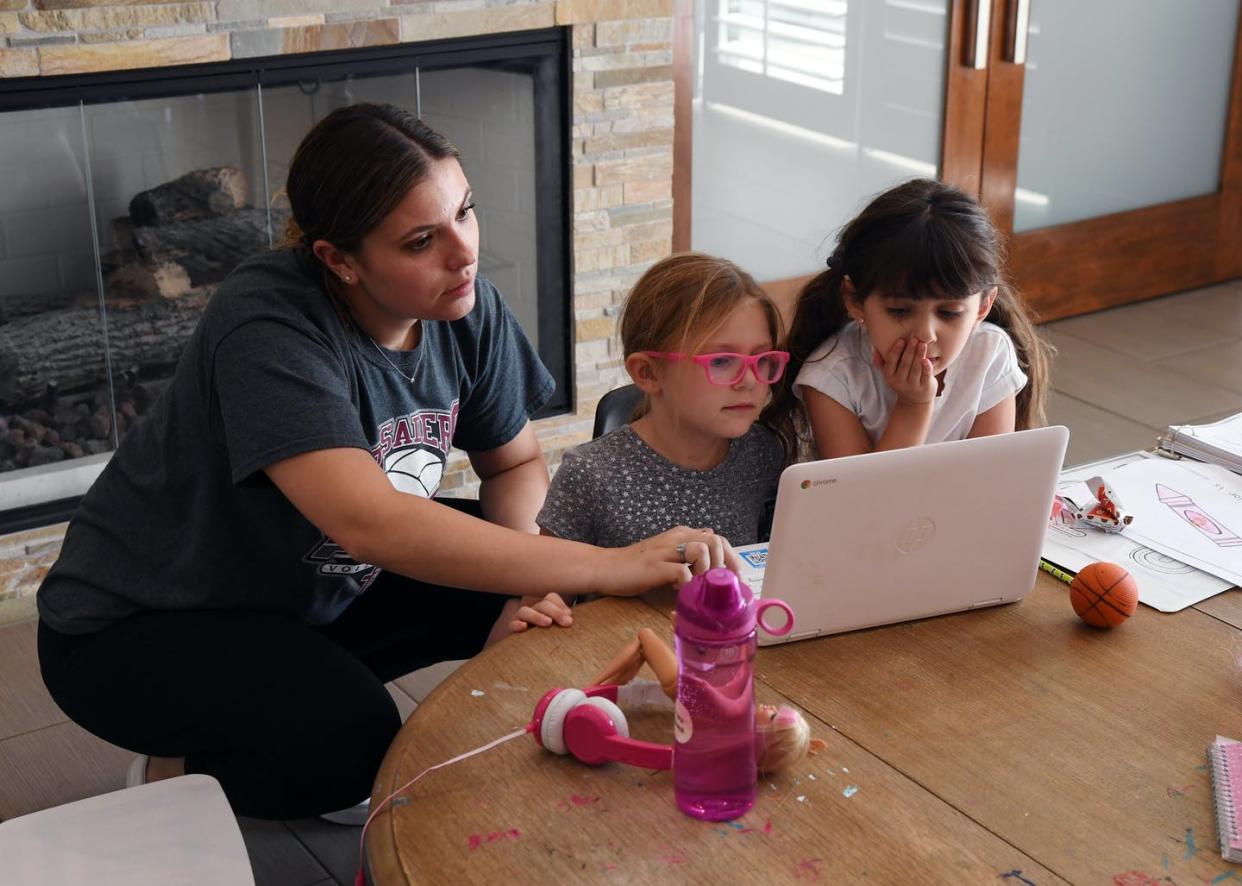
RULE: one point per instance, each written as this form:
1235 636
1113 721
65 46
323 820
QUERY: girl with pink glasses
705 449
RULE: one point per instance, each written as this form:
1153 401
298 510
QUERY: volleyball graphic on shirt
415 470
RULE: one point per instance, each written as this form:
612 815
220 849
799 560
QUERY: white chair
176 831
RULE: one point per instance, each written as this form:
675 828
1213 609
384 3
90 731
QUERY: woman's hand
908 372
670 558
520 613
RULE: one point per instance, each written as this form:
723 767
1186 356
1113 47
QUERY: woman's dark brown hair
921 239
352 169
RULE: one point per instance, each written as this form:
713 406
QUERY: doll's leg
626 664
622 667
661 660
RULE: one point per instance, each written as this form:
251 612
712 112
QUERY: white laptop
890 536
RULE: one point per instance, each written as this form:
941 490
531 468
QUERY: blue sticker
756 559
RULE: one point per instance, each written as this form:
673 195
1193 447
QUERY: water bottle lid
715 606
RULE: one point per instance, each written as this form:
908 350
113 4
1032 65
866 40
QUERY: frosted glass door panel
1124 105
803 110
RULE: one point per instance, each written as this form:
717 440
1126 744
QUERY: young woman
263 552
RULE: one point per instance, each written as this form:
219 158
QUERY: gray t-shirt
617 490
184 516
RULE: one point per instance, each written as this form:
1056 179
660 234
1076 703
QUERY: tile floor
1120 377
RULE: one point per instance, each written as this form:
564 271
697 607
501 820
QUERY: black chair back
615 409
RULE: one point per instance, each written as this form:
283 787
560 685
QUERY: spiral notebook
1225 759
1216 443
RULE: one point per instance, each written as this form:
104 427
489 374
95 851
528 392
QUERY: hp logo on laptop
916 534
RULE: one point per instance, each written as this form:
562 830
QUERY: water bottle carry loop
762 608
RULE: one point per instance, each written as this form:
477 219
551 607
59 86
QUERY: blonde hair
679 303
782 740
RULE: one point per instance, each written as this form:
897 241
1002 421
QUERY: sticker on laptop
756 558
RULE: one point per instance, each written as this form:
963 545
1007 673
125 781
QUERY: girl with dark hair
263 553
912 335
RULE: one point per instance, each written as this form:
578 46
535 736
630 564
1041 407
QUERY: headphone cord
360 879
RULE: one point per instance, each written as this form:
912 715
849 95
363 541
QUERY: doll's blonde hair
784 739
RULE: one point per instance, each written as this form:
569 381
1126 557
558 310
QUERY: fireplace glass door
123 212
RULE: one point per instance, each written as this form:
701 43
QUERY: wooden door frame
965 95
1121 257
683 121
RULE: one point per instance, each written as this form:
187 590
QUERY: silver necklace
417 365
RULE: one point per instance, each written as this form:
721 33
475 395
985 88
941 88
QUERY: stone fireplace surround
621 145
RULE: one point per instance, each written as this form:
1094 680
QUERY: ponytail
291 237
819 314
1011 314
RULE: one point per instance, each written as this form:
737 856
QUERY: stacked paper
1217 443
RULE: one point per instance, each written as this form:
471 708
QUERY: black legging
292 720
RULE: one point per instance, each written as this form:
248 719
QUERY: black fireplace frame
546 54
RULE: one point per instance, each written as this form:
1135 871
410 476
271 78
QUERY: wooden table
1012 745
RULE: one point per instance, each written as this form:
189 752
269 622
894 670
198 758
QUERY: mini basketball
1104 594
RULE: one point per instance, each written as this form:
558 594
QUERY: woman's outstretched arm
346 495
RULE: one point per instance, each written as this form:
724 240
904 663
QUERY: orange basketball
1104 594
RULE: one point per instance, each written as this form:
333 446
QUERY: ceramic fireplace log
207 248
199 194
66 346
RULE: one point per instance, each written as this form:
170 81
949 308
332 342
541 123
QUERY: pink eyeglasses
728 369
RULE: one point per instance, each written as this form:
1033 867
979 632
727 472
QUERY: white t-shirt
984 374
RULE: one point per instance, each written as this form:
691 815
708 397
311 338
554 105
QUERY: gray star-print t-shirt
617 490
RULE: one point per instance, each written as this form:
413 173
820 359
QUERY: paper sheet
1187 510
1164 583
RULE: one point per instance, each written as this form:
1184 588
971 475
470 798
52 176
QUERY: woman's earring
347 278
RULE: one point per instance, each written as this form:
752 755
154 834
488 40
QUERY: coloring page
1191 512
1164 583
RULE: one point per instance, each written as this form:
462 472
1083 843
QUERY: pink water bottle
714 770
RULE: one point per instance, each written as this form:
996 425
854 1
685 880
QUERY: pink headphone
589 725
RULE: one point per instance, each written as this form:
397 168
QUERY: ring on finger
681 551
